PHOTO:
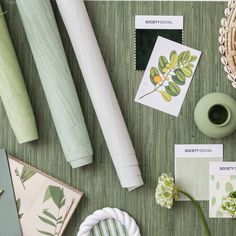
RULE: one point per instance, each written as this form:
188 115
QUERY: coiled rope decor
227 41
109 213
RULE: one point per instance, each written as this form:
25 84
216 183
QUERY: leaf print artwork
18 204
170 74
25 175
57 195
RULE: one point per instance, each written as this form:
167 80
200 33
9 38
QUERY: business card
148 28
192 168
222 190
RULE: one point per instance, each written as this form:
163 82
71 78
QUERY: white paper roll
91 63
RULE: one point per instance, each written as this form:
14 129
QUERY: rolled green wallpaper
13 90
50 59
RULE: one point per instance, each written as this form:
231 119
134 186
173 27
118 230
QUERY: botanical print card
45 205
148 28
168 75
192 168
222 190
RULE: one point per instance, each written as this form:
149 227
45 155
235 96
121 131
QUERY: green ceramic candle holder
215 115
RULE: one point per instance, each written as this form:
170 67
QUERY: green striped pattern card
109 227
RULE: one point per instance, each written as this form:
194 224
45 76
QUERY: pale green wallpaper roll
13 90
50 59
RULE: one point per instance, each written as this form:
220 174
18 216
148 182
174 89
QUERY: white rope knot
109 213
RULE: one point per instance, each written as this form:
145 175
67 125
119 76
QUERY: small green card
9 223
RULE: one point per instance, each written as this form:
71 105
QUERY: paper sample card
222 187
168 75
148 28
45 205
9 223
192 168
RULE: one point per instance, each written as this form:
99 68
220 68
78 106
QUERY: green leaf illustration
162 64
173 89
190 65
174 58
45 233
186 56
18 204
166 96
187 71
172 53
213 201
45 220
57 195
27 173
48 214
180 75
155 76
193 58
47 195
228 187
178 81
60 222
168 76
62 203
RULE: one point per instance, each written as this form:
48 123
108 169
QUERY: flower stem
164 79
201 215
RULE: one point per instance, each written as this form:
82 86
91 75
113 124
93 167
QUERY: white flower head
229 204
166 191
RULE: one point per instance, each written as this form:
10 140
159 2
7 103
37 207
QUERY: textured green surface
153 133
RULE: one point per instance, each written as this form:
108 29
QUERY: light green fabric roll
50 59
13 90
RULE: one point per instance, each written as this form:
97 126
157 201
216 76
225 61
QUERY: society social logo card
168 75
222 190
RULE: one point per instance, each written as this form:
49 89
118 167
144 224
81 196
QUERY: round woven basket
227 41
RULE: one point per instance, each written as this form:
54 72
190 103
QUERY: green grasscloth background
153 133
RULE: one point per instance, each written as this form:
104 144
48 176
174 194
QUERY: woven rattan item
227 41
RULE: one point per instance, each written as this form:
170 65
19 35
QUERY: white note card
168 76
192 168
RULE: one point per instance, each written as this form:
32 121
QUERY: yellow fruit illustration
157 79
164 70
168 65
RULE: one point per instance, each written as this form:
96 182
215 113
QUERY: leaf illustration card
192 168
45 205
168 75
222 190
148 28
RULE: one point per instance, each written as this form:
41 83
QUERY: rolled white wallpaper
50 59
91 63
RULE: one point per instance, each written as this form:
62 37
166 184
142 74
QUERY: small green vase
215 115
